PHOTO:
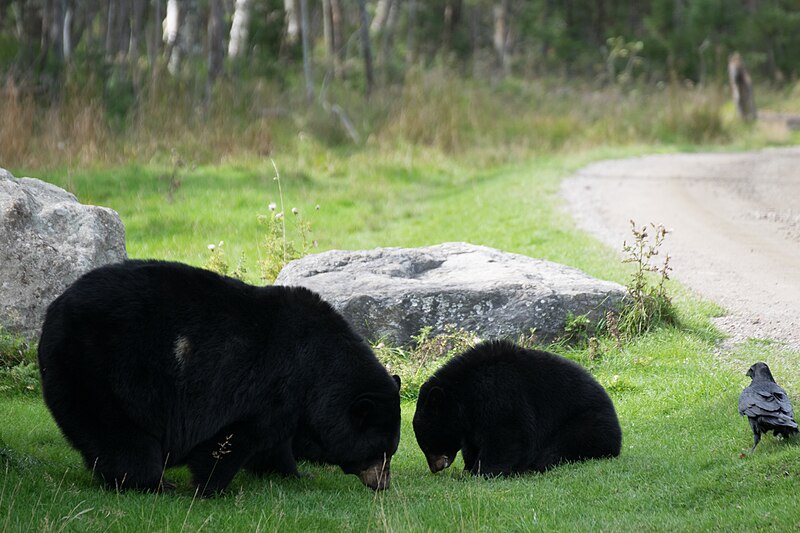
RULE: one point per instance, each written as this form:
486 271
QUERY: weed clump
278 247
218 262
417 362
19 371
646 302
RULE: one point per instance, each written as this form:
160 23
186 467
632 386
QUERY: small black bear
148 364
511 410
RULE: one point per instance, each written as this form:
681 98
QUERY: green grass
680 469
681 466
408 198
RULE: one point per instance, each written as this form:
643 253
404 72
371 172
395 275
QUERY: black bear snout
377 476
437 462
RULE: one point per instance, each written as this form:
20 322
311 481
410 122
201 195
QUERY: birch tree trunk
292 23
170 27
239 27
182 27
66 41
381 16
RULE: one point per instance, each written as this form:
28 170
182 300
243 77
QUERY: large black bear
149 364
511 410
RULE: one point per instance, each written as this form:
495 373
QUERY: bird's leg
756 440
756 432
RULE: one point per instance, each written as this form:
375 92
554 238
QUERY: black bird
766 405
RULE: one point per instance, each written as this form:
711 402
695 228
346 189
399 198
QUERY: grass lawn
682 465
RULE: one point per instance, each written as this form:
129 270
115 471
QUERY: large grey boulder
47 240
390 293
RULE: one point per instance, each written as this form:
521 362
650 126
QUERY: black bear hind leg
496 457
594 436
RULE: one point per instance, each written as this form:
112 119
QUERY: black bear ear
361 410
436 399
396 380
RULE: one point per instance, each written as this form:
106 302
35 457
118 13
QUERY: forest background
96 81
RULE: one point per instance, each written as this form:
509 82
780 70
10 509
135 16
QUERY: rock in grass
391 293
47 240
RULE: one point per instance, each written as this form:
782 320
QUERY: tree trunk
381 16
81 16
452 16
58 12
66 45
387 42
447 29
366 48
216 36
292 23
411 39
154 49
338 38
111 18
178 33
502 35
122 28
170 26
305 28
327 36
239 28
31 32
741 88
137 31
189 29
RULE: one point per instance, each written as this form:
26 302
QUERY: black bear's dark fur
511 410
148 364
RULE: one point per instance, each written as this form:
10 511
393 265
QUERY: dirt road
735 221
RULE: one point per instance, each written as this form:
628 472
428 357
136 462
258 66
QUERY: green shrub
19 372
415 364
646 302
15 350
